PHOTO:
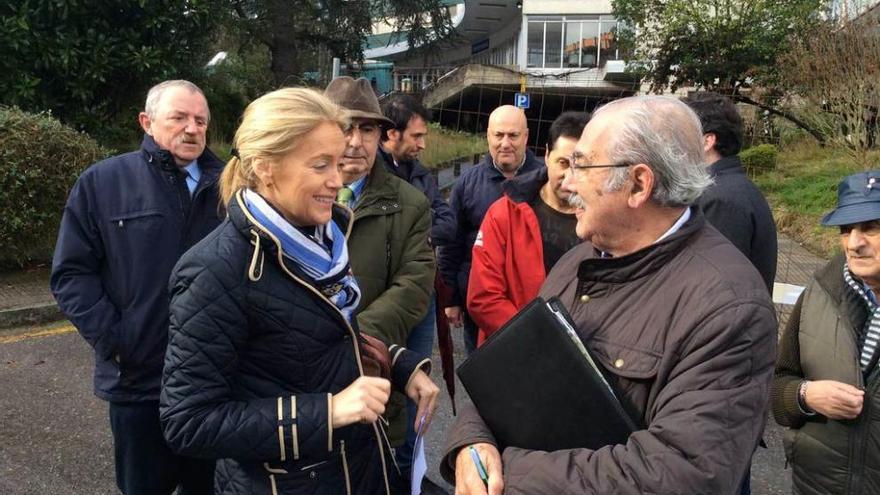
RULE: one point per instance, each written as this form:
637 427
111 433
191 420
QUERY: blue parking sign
522 100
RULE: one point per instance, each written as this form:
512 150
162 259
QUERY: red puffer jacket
508 257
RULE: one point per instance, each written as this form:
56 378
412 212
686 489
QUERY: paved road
55 438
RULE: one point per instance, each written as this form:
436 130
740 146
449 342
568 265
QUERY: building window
553 44
556 42
536 45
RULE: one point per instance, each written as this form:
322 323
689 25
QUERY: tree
89 61
719 45
296 30
834 72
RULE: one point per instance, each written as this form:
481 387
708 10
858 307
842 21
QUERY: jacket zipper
861 437
354 340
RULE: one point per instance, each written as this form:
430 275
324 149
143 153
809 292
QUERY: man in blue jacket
471 197
127 221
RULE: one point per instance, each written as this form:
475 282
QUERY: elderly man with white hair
677 318
127 221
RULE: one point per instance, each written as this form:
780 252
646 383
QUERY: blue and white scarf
326 267
871 335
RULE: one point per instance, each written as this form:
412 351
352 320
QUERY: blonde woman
264 369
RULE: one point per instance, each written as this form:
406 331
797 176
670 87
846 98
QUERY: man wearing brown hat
388 244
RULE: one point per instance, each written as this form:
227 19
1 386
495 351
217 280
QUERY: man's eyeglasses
578 167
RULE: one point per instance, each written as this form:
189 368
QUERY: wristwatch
802 399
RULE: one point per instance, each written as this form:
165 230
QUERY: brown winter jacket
687 332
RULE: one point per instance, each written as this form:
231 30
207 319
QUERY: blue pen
479 463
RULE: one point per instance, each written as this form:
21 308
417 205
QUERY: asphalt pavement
55 436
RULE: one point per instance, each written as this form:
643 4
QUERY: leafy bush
92 62
39 161
759 159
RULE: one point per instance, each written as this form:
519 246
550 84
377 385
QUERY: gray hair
665 134
154 96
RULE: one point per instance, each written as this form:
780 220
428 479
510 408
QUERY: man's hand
361 402
422 390
834 400
454 315
467 478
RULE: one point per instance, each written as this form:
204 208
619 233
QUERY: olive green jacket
820 342
393 264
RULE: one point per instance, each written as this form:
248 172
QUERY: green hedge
39 161
759 159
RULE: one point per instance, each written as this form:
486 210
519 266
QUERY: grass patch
802 188
444 145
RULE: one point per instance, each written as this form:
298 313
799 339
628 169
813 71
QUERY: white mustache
576 201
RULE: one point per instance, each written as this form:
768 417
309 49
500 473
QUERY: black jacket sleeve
76 273
737 226
200 416
442 219
451 254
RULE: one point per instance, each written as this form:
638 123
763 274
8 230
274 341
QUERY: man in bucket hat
388 244
827 382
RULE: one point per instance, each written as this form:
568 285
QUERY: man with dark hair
524 233
127 221
402 143
472 195
734 205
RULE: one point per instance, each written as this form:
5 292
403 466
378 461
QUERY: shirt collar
358 186
193 170
677 225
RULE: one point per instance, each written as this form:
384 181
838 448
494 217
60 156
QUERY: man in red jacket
524 233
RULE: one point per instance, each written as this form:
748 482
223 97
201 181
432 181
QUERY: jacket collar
209 164
645 261
530 164
526 187
378 186
727 165
416 169
830 279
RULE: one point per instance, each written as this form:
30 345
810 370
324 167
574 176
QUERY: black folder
536 386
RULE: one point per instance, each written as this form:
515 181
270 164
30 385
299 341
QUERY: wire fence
461 98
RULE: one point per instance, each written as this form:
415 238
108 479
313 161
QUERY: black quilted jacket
253 357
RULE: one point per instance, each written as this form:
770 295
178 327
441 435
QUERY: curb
30 315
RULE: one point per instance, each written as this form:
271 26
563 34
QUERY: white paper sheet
786 293
419 464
